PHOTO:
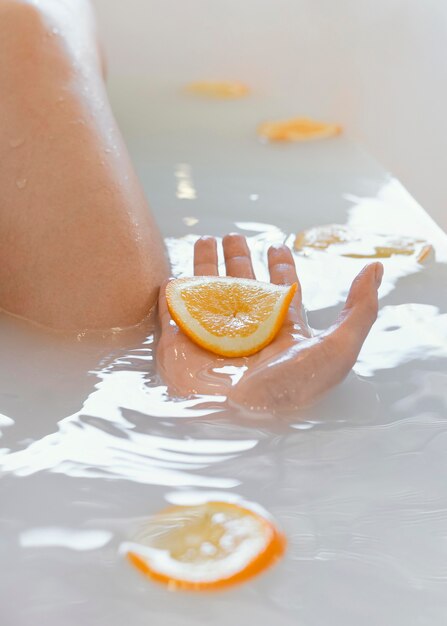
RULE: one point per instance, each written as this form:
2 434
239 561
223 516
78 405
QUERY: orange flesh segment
225 313
358 245
298 129
206 547
229 316
219 89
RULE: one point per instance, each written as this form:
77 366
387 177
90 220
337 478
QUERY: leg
78 245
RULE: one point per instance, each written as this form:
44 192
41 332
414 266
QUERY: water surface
92 444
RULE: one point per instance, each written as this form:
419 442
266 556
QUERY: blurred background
377 67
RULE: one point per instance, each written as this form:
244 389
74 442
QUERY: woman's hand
296 367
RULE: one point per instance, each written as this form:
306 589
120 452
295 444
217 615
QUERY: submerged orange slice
205 546
219 89
228 316
357 244
298 129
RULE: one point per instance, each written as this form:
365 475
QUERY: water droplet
21 183
55 31
16 142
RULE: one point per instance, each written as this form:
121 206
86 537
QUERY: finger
359 312
283 272
205 257
237 256
281 265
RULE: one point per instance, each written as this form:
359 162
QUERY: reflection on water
394 211
404 333
185 184
92 445
102 439
70 538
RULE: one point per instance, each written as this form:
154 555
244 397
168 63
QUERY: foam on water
92 444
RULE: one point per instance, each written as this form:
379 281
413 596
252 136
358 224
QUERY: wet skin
79 248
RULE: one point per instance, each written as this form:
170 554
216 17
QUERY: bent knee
28 28
24 37
22 18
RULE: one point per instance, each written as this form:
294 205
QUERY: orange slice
219 89
298 129
205 546
357 244
228 316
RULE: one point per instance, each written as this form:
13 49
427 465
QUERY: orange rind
355 244
231 317
205 547
298 129
225 89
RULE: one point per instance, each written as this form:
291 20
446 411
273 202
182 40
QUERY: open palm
296 367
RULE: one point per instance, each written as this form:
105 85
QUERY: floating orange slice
298 129
219 89
228 316
205 546
357 244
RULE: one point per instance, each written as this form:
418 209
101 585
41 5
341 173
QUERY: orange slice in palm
228 316
298 129
219 89
205 546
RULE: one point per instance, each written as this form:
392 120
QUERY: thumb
360 311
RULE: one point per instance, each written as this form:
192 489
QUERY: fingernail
231 235
277 247
379 274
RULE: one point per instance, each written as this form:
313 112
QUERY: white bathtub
378 67
90 447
